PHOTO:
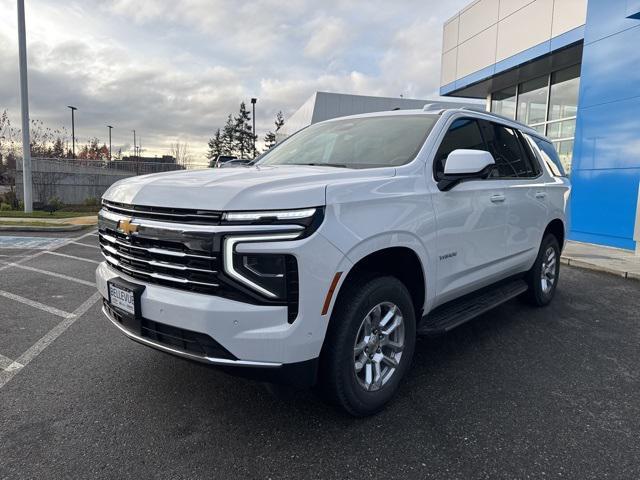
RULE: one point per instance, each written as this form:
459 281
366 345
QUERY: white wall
488 31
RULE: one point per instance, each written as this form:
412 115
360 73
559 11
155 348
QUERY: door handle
541 194
497 198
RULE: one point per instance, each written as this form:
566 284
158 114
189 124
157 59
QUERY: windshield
355 143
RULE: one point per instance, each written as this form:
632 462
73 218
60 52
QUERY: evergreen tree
271 138
228 137
243 134
58 148
215 146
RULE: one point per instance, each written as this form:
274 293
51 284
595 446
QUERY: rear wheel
369 345
543 277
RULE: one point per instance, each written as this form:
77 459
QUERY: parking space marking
46 340
34 304
30 242
52 274
6 362
26 258
85 245
82 259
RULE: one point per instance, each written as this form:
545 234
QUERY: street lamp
27 185
253 104
73 130
109 127
134 143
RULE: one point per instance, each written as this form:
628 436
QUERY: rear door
525 192
471 219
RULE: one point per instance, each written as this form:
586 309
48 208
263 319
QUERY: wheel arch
401 261
557 228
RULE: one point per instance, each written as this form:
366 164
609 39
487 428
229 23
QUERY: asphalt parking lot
517 393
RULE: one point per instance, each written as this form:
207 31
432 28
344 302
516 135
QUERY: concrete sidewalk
85 220
616 261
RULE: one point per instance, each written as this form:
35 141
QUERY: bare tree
180 151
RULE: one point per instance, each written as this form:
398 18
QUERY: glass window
564 129
463 133
503 102
355 143
565 152
509 154
532 101
549 155
563 97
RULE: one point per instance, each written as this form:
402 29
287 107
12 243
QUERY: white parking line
46 340
34 304
26 258
5 362
86 245
53 274
82 259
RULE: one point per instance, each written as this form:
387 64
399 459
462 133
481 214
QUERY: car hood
252 188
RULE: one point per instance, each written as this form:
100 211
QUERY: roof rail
497 115
430 107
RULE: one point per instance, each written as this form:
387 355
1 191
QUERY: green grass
42 214
4 223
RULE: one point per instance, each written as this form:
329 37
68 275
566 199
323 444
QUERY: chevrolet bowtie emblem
127 227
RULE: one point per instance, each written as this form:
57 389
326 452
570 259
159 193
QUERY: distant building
326 105
168 159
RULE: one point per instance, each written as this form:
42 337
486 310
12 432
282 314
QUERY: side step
458 311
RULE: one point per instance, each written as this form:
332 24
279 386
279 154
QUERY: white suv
322 262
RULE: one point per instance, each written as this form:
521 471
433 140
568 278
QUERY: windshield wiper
337 165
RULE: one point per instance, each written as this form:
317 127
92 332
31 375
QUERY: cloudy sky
174 69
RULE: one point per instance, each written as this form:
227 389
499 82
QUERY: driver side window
463 133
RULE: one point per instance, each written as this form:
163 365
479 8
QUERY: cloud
176 69
329 36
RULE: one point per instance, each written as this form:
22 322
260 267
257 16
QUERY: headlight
265 273
269 216
310 218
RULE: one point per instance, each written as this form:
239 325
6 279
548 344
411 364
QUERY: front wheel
369 345
543 277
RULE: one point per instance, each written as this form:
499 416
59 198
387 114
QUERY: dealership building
571 70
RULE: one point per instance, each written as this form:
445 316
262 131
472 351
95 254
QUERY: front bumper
257 336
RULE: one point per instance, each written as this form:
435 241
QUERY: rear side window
549 155
512 158
463 133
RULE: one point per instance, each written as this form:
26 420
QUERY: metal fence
73 181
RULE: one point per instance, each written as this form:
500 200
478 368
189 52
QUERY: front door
471 219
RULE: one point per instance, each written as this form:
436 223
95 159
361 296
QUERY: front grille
188 341
163 262
180 255
181 215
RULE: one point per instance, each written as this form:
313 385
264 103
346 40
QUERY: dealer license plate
122 298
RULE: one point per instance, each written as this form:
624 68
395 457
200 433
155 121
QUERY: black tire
338 379
537 295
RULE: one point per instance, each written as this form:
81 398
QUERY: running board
456 312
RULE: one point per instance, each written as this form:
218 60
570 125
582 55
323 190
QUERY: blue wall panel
606 157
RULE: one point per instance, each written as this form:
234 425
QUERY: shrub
54 204
4 207
91 202
9 198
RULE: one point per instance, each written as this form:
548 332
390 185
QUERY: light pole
24 105
109 127
134 143
253 104
73 130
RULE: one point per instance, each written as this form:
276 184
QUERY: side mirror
465 164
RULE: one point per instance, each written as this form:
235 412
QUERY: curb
571 262
31 228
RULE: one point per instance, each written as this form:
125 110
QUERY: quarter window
463 133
